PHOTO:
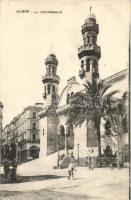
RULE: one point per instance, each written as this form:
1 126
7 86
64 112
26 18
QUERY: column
66 141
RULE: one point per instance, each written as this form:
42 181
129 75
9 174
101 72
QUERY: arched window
53 89
87 65
95 66
53 70
88 40
49 70
72 93
94 39
62 137
82 64
84 40
67 99
48 89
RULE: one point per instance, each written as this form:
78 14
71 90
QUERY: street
50 184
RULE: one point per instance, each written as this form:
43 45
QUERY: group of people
10 168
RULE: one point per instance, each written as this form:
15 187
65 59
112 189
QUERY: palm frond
109 95
88 88
100 84
104 89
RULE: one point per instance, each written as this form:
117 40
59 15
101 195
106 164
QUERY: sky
26 40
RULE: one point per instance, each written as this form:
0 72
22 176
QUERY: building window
34 115
82 64
53 70
94 39
67 99
34 136
53 89
72 94
87 65
84 40
34 126
95 65
48 89
88 40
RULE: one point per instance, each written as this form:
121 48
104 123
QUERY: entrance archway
70 136
62 137
34 152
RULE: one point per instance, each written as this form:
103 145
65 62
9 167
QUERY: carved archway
70 136
61 137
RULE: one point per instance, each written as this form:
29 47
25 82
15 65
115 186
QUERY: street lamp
78 152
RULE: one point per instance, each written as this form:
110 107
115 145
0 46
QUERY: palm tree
91 104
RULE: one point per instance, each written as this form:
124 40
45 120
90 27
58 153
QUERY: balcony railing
51 77
89 47
89 27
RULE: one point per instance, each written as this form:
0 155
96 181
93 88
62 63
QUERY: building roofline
17 117
116 77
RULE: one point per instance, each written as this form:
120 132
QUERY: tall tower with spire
51 81
1 129
48 116
89 53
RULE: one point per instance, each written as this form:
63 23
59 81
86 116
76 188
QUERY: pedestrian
13 174
6 165
71 169
13 171
92 160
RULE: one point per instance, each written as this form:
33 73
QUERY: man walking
71 169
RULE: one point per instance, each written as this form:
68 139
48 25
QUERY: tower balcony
51 78
89 50
90 27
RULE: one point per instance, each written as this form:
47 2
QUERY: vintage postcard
64 100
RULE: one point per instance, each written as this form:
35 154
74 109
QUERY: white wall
43 137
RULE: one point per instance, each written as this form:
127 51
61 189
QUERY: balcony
91 49
51 78
33 141
90 27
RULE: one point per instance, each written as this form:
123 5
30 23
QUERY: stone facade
55 133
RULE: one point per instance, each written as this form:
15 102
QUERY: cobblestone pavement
99 184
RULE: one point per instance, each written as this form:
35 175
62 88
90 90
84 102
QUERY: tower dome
91 16
51 59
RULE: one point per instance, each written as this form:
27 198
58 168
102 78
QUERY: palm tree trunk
97 125
99 141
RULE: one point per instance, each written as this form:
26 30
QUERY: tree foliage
91 104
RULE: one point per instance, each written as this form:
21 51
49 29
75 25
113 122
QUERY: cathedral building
55 133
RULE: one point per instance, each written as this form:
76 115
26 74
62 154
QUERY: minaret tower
89 53
51 81
1 129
